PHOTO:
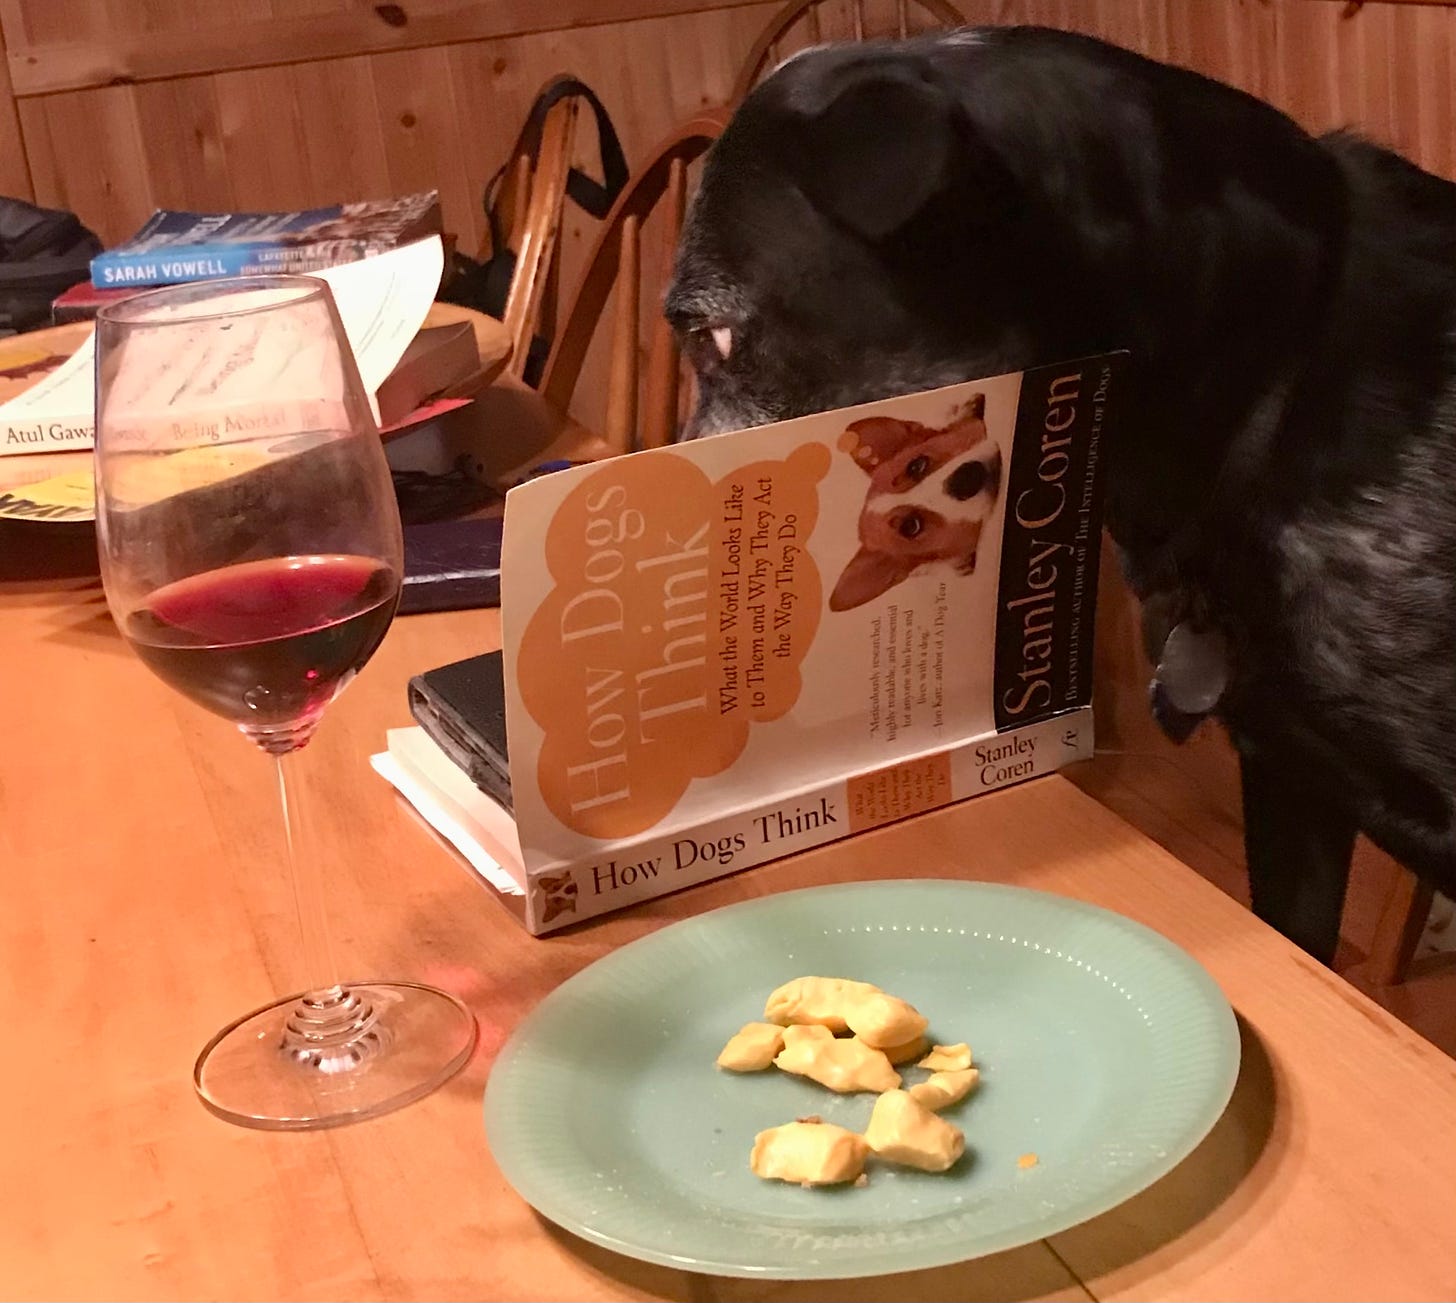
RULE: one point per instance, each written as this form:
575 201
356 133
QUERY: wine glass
251 554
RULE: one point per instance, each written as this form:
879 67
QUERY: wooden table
144 906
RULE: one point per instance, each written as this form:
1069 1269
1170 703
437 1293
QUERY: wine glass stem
308 891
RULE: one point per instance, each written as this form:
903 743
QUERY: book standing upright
726 651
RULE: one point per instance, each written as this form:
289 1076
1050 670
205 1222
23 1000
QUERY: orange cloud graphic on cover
680 613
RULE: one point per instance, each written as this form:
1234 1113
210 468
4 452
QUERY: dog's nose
971 478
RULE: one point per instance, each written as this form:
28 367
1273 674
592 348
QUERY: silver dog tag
1193 670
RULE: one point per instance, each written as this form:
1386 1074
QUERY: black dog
879 219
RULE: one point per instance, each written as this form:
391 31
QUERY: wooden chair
661 185
824 20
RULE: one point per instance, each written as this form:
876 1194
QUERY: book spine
558 895
115 269
45 434
206 262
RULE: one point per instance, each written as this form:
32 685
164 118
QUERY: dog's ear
875 149
971 419
876 438
867 575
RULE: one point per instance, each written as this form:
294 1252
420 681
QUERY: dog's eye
918 467
910 525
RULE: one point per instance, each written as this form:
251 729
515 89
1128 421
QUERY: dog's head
884 218
852 238
929 494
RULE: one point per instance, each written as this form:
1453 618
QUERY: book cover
722 652
174 247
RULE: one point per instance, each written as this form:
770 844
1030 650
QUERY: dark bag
485 285
42 254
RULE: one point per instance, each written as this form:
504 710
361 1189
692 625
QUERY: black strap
484 286
593 197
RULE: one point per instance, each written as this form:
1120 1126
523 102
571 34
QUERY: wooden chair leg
659 418
621 431
1398 932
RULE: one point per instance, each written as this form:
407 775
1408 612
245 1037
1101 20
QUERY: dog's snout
973 477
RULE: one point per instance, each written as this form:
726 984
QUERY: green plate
1104 1050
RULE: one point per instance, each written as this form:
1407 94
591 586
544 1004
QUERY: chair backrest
802 23
616 260
533 192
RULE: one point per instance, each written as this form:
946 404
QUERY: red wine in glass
266 644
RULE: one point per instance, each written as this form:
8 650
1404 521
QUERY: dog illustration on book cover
930 493
559 893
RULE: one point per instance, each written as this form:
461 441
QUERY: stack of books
173 248
384 303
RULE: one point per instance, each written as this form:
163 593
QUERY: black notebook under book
462 707
450 565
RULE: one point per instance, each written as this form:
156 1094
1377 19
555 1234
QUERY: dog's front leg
1298 839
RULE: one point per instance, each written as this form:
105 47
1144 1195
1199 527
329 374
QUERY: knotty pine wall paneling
124 105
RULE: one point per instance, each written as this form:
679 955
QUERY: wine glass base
305 1063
